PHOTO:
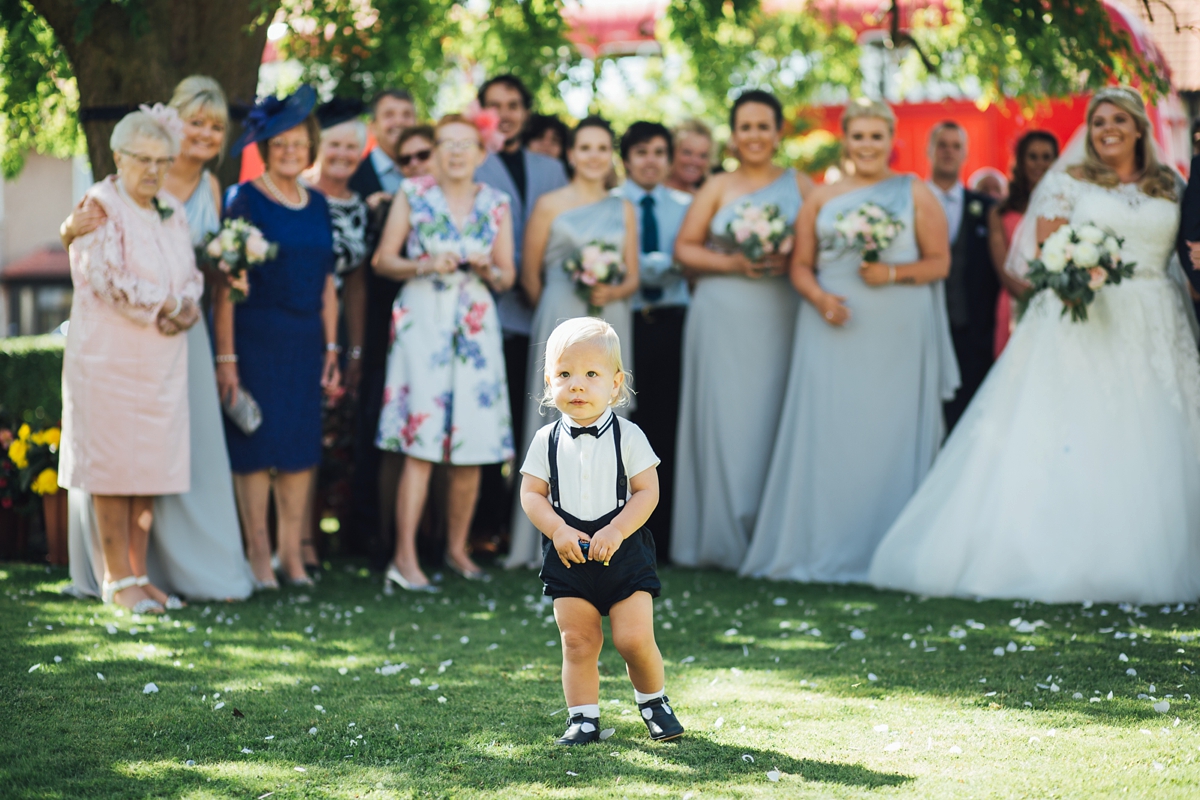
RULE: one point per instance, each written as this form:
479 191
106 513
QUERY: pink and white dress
125 399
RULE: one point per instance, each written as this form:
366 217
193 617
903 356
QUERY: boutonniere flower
164 210
975 209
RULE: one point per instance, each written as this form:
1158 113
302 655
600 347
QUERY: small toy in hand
584 547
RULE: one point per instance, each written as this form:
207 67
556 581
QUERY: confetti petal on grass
731 632
780 601
312 731
1162 707
999 651
316 689
607 732
893 747
1131 672
551 643
1122 657
773 775
268 738
1011 647
857 635
956 750
58 659
35 667
871 676
573 774
414 682
441 699
219 706
1077 696
100 675
342 670
720 721
747 757
150 688
247 751
881 728
687 660
300 769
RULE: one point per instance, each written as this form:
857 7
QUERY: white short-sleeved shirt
587 465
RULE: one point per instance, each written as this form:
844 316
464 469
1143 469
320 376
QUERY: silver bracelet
355 353
178 308
333 347
231 358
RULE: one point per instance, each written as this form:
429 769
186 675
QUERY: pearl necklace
278 195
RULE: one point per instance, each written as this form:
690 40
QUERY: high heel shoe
394 576
474 575
144 606
173 602
260 586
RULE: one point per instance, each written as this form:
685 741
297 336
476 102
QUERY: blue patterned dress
446 397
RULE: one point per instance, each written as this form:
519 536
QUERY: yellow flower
17 452
23 433
46 482
52 436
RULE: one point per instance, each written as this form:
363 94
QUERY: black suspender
622 481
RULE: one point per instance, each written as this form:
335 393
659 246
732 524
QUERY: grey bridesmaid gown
196 542
736 347
863 417
602 221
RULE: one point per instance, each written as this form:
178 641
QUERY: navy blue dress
278 334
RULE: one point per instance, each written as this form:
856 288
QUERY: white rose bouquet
869 228
760 230
1075 262
236 248
596 263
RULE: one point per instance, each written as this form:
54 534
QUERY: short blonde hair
578 330
865 108
200 95
692 127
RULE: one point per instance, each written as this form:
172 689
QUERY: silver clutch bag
244 412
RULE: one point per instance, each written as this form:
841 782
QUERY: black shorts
633 568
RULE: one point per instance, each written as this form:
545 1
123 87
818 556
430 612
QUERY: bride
1075 473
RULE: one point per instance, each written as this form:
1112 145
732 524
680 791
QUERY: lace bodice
1147 224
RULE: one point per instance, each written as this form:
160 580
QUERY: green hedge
31 378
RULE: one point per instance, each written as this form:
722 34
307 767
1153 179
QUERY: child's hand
566 542
605 543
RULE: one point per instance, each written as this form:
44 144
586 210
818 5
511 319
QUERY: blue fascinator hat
273 115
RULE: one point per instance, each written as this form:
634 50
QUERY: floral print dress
446 397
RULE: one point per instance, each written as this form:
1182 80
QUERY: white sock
646 698
591 711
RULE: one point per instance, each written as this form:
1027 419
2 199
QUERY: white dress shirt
952 204
388 171
587 466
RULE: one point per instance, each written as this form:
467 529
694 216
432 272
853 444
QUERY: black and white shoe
660 719
581 730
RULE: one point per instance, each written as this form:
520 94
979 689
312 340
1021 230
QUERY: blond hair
578 330
1158 180
865 108
690 127
200 95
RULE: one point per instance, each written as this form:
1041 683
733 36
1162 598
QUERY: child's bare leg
582 637
632 622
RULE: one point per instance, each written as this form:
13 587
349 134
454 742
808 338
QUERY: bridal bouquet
1075 263
236 248
596 263
869 228
760 230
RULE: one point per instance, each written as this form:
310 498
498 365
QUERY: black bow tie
589 431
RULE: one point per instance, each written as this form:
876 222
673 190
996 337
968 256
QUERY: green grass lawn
343 692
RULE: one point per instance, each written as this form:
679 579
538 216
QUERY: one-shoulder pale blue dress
737 344
602 221
863 417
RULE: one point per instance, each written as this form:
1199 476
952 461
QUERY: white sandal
144 606
173 602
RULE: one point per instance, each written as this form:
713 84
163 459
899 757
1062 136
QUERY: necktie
589 431
650 242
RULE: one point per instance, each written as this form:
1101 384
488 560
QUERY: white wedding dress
1075 473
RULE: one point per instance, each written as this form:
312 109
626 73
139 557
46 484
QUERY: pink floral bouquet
760 230
1075 262
235 249
596 263
869 228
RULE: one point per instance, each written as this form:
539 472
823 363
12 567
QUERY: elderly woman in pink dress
125 407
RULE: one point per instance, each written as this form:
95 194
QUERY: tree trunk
120 63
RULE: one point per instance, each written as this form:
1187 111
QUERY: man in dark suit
524 177
377 178
1189 223
972 287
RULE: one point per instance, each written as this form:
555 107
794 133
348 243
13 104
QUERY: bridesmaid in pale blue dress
736 348
195 545
872 363
562 222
